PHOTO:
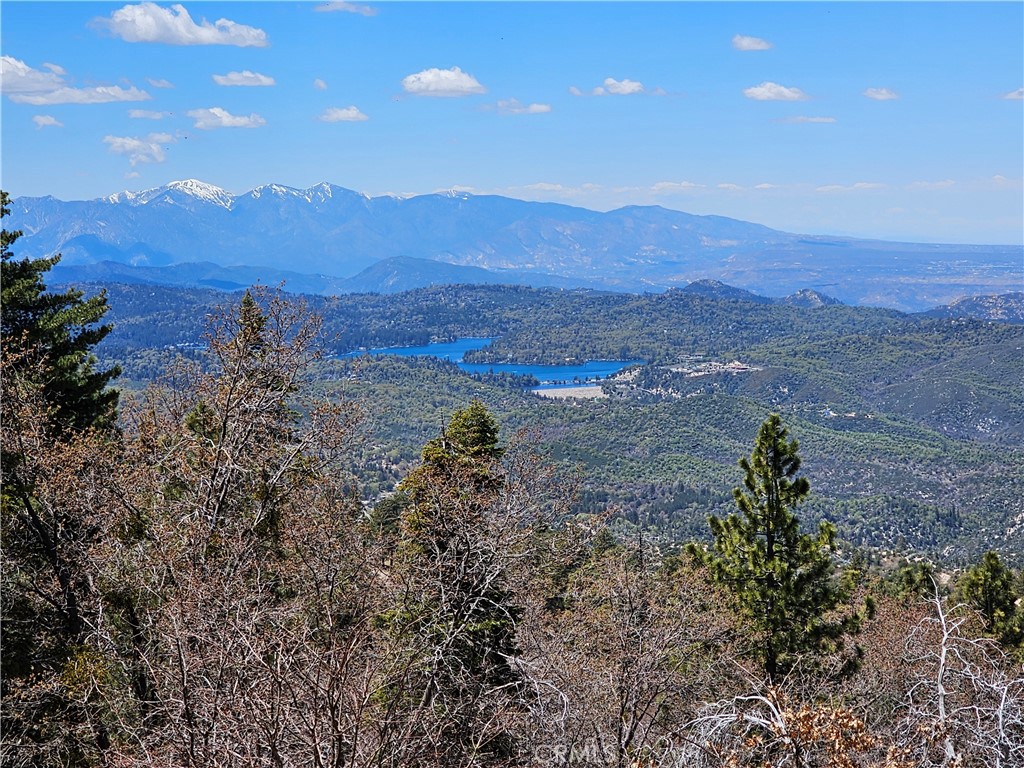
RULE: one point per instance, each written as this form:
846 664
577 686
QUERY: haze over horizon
884 121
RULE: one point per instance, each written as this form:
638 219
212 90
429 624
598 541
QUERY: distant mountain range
327 239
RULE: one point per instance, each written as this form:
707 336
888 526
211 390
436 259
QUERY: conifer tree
50 336
781 580
988 587
455 614
57 415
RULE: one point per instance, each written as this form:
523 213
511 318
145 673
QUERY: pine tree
781 580
50 337
57 415
988 587
455 613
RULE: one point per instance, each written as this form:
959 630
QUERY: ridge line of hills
334 239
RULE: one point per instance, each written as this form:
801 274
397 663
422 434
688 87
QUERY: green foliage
989 588
50 337
57 415
782 580
455 612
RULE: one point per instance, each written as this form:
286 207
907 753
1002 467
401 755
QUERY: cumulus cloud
147 114
1017 95
149 23
243 78
17 77
768 91
149 149
57 69
881 94
442 82
340 5
25 85
159 82
674 187
215 117
43 121
858 187
103 94
320 85
342 115
805 119
615 87
746 43
514 107
622 87
575 91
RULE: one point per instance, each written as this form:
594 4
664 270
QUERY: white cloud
858 187
766 186
132 175
623 87
103 94
138 151
149 23
674 187
320 85
730 187
215 117
1017 95
159 82
881 94
25 85
768 91
746 43
514 107
805 119
17 77
57 69
42 121
340 5
147 114
442 82
575 91
244 78
342 115
944 184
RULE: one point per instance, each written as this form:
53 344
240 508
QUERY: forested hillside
913 424
199 584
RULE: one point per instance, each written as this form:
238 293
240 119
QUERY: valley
911 426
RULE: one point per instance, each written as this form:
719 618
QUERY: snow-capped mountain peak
202 191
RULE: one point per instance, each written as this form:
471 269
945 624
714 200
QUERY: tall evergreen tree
50 337
988 587
781 580
57 414
455 613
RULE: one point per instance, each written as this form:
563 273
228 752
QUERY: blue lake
547 375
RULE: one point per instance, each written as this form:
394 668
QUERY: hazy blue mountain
807 297
719 290
196 275
330 231
1006 308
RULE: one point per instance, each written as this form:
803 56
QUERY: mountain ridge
332 231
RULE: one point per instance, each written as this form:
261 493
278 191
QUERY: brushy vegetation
200 584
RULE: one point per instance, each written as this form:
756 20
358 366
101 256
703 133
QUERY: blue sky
889 120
